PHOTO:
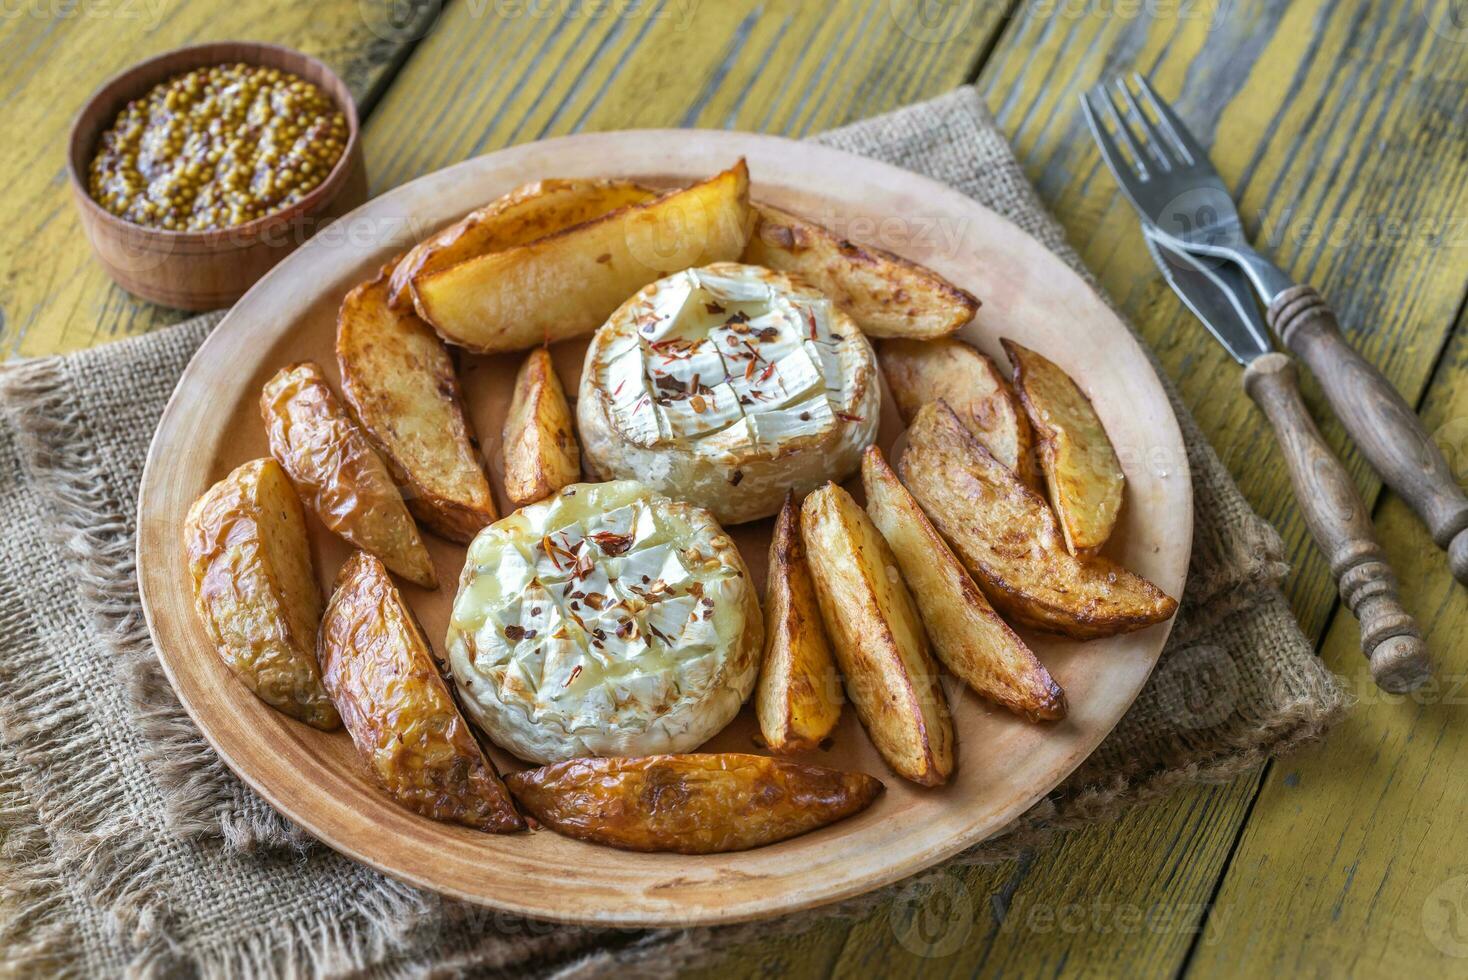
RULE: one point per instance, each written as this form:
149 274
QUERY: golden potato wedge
541 455
699 803
567 284
250 562
1080 466
523 215
1007 537
967 634
399 381
885 294
798 700
384 679
338 473
921 371
879 639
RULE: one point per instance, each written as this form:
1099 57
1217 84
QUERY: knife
1220 296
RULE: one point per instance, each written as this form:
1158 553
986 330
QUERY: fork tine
1147 134
1139 162
1187 147
1109 150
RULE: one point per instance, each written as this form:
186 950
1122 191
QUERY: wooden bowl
206 270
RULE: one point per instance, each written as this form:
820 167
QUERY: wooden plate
212 424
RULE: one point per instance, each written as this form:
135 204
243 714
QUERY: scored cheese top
722 360
606 620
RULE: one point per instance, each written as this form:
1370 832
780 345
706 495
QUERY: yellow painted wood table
1341 127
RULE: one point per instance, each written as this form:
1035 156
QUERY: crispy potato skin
250 564
967 634
798 699
690 804
878 638
1007 537
1081 469
533 211
922 371
400 383
885 294
541 454
384 680
567 284
338 473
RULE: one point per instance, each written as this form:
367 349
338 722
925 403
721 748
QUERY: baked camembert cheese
728 386
607 620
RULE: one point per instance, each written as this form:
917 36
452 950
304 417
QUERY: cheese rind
607 620
727 386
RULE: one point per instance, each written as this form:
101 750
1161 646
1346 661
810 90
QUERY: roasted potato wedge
1080 466
384 679
1007 537
250 562
967 634
798 699
541 455
690 804
567 284
921 371
400 383
523 215
885 294
879 639
338 473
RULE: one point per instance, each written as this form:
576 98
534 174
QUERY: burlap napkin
128 845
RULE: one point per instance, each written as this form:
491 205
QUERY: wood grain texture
783 66
1335 120
1382 425
53 295
1341 527
1330 122
1353 863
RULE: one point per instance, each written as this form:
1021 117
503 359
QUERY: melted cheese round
727 386
606 620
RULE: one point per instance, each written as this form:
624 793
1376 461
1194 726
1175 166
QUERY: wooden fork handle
1387 430
1339 523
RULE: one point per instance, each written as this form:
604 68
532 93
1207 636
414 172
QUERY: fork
1167 177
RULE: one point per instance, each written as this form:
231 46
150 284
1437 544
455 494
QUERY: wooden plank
1125 899
54 296
782 66
1315 78
1354 863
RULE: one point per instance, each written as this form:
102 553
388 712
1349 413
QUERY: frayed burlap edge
205 800
82 851
39 715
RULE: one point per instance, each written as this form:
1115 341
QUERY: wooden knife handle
1387 430
1341 527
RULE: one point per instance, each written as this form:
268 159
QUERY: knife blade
1218 294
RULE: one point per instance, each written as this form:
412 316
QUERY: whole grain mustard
217 147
